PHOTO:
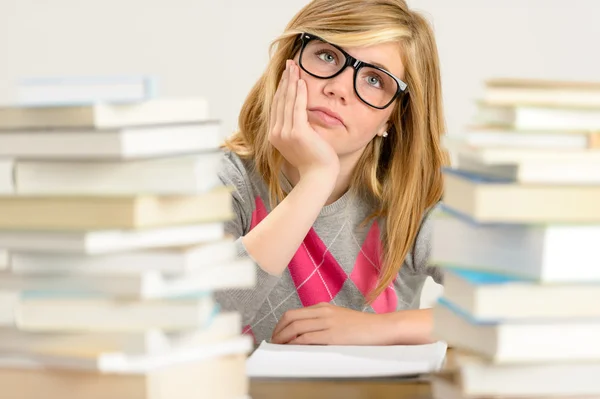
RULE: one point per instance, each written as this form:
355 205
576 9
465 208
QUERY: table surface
346 389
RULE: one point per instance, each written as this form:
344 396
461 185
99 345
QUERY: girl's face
353 124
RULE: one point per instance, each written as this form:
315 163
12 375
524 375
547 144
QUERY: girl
336 167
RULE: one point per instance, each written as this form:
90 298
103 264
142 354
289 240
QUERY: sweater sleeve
247 302
422 249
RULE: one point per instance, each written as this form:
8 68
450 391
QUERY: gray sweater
338 261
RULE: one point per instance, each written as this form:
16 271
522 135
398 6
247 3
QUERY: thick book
544 253
534 171
7 185
8 301
507 342
92 242
46 312
115 143
492 296
493 137
477 377
537 117
508 91
221 327
106 115
239 274
169 260
179 175
113 212
80 90
447 386
121 363
487 199
216 377
503 155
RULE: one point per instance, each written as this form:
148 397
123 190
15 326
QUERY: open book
309 361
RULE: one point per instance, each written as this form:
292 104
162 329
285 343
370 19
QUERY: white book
109 241
105 116
545 171
489 200
179 175
8 301
7 184
121 363
538 117
509 138
478 377
545 253
492 296
499 156
514 342
220 326
536 91
152 341
171 260
112 143
147 285
77 90
81 314
4 259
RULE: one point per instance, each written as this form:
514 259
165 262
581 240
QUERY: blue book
480 277
477 178
488 297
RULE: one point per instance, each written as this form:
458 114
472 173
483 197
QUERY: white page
310 361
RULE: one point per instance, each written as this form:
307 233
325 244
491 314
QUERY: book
113 212
214 378
496 200
493 137
221 326
8 301
542 253
446 386
92 242
4 259
570 172
104 115
181 175
131 142
518 342
79 90
334 361
491 296
496 155
240 273
538 117
6 176
168 260
477 377
507 91
120 363
85 314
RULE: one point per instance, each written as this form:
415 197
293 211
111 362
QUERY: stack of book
517 234
113 218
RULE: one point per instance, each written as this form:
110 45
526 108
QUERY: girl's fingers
290 98
280 107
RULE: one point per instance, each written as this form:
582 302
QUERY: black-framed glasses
375 86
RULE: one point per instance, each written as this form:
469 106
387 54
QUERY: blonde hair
403 172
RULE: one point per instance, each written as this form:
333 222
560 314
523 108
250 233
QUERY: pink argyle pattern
318 277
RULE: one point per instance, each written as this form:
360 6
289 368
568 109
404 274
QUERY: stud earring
385 134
